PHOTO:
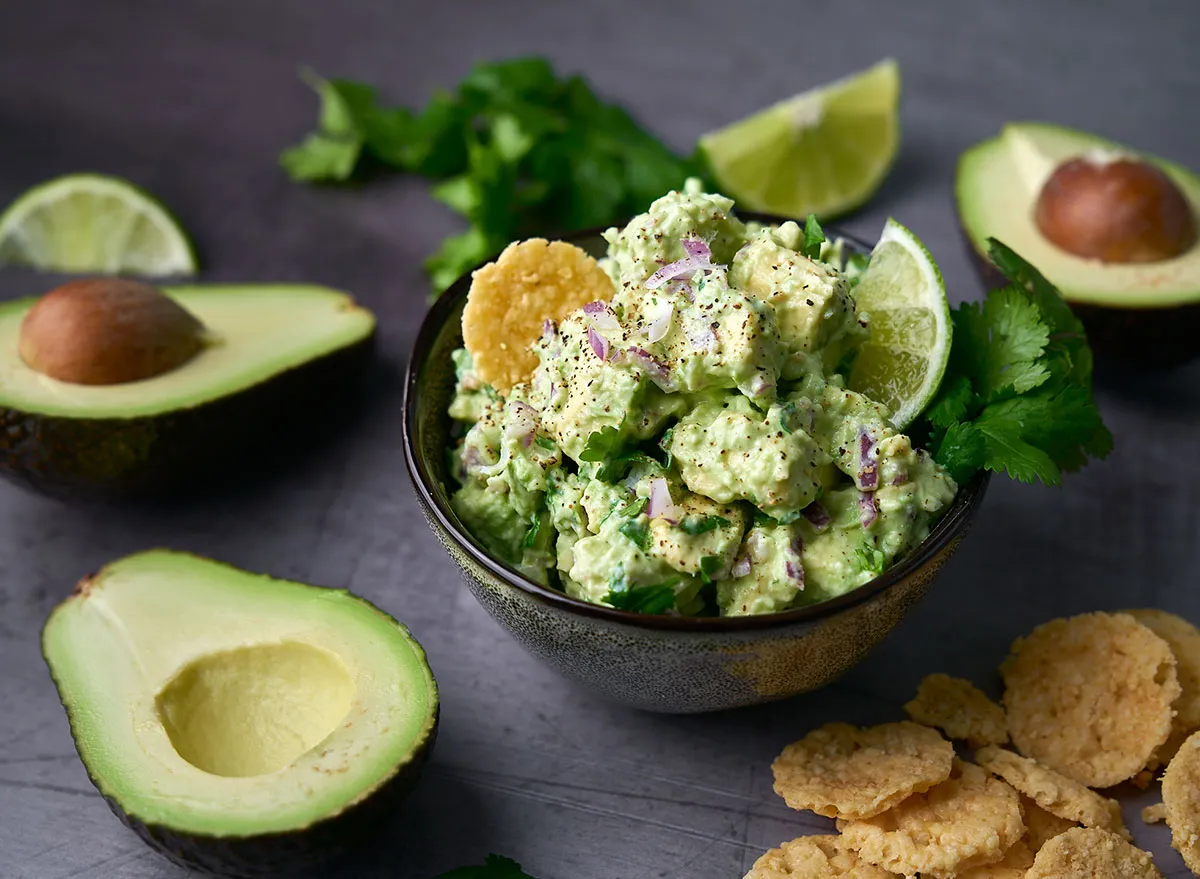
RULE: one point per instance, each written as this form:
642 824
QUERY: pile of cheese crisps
1089 702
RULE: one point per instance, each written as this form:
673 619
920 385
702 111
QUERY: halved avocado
239 724
274 353
1146 313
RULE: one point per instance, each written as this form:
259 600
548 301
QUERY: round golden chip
841 771
1013 865
1055 793
1040 825
1184 641
814 857
1090 696
966 821
1181 795
960 710
1154 814
510 300
1091 853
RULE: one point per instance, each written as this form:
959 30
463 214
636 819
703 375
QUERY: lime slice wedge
93 223
823 152
902 362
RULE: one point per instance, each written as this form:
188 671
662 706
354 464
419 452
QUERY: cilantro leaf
702 524
531 533
616 468
709 565
493 867
521 150
954 401
869 557
637 531
545 442
814 237
601 444
1017 394
637 507
658 598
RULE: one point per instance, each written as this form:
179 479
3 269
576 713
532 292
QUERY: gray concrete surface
193 100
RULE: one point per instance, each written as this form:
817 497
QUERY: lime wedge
93 223
902 362
823 152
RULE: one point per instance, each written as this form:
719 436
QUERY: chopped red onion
681 285
868 462
658 328
548 329
661 506
817 516
653 367
755 547
599 344
899 478
681 268
602 317
471 459
741 567
696 248
524 423
793 565
867 508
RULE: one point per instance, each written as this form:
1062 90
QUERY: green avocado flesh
997 186
257 331
215 702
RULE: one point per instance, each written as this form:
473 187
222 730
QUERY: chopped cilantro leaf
762 519
493 867
709 565
814 237
531 533
544 441
702 524
601 445
638 507
637 531
665 445
659 598
1017 394
617 467
869 558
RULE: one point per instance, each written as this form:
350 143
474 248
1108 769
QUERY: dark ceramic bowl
661 663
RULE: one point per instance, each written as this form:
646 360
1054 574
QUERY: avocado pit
108 331
1116 209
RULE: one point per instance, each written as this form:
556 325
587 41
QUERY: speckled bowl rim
950 527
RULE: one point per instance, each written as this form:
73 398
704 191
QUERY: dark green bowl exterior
659 663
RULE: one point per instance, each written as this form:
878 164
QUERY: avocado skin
292 854
1150 338
114 458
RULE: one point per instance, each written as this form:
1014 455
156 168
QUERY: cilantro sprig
658 598
515 149
1017 394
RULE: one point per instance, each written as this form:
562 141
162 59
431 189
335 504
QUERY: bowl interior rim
950 526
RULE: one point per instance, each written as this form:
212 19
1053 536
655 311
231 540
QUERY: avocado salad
691 445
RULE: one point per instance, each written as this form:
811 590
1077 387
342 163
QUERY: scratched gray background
193 100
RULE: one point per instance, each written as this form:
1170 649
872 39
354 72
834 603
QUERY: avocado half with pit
1114 229
239 724
110 387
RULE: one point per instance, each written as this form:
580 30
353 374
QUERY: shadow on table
1162 392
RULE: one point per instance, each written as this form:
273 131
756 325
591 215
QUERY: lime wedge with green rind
902 362
83 223
823 152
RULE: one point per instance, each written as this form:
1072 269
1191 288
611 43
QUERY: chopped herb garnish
545 442
638 507
702 524
814 237
601 445
869 557
535 528
637 531
659 598
709 565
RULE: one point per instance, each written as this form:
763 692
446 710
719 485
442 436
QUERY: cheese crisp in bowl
649 453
